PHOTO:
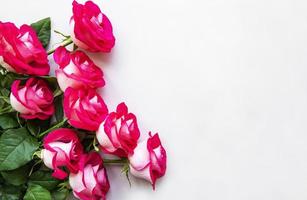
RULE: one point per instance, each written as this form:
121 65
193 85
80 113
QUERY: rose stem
116 161
62 34
56 126
66 42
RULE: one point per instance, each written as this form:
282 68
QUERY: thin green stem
32 168
62 34
56 126
65 43
115 161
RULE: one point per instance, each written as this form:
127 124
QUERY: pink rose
21 51
62 148
76 70
91 29
34 99
119 134
84 109
149 160
91 181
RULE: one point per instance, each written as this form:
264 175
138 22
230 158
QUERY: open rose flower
119 134
84 109
62 148
91 29
149 160
91 181
76 70
21 51
34 99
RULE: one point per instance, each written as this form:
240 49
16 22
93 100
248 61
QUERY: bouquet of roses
56 132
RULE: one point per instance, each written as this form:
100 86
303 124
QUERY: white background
224 82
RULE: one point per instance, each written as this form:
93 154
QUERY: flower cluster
74 144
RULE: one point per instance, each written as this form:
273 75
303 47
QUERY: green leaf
7 78
17 147
10 192
18 176
37 192
36 126
52 82
1 179
44 179
58 103
43 30
7 109
60 194
4 92
33 127
8 121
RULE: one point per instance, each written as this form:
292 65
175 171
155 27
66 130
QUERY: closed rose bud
21 50
91 181
62 148
76 70
91 29
34 99
119 134
84 109
149 160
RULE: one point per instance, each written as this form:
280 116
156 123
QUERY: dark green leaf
35 126
53 83
43 30
8 121
4 92
44 179
37 192
10 192
17 147
60 194
1 179
58 103
7 78
18 176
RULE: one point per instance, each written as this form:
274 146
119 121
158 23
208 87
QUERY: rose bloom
149 160
119 134
91 181
34 99
84 109
21 51
91 29
76 70
62 148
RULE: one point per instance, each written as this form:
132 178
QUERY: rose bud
21 51
91 181
62 148
76 70
34 99
91 29
119 134
149 160
84 109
